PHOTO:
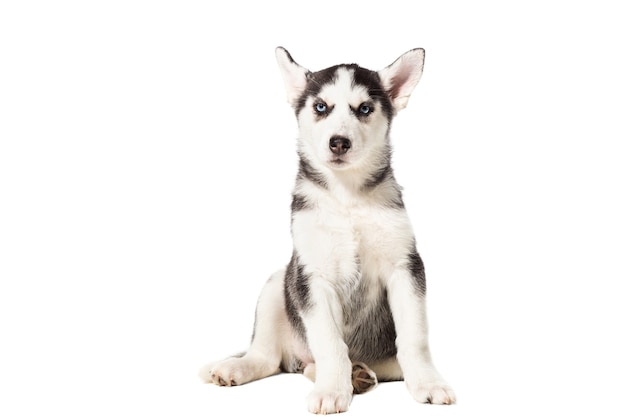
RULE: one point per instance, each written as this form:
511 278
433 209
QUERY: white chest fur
342 241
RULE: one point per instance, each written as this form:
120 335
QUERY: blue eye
320 107
365 109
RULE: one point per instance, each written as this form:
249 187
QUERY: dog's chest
356 248
362 242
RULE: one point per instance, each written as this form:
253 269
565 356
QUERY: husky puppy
349 308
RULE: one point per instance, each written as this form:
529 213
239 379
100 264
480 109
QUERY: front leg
321 272
407 299
323 320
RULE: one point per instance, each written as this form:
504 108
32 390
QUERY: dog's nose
339 145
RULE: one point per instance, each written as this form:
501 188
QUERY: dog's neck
372 182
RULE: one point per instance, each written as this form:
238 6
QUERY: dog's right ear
294 76
401 77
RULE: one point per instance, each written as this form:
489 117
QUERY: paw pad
363 378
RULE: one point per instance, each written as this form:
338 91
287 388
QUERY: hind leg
265 353
388 370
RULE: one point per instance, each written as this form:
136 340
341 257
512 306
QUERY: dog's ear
401 77
294 75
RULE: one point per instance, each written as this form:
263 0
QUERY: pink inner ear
401 77
405 78
399 81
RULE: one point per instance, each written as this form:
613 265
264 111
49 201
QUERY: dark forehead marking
362 76
314 83
371 81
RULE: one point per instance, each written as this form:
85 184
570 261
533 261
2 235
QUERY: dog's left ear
294 75
401 77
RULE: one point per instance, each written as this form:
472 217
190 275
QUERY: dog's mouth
338 162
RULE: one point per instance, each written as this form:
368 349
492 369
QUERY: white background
146 164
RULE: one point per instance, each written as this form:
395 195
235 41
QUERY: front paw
328 402
435 392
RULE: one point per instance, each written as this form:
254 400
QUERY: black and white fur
349 308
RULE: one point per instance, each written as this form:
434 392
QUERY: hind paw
225 373
363 378
238 370
228 373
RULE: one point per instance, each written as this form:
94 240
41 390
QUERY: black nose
339 145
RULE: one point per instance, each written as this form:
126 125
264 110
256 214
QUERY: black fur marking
371 80
416 266
360 114
371 333
296 293
383 176
292 314
302 287
306 171
397 202
378 176
315 82
288 55
299 202
362 76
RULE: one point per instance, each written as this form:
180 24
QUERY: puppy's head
344 112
